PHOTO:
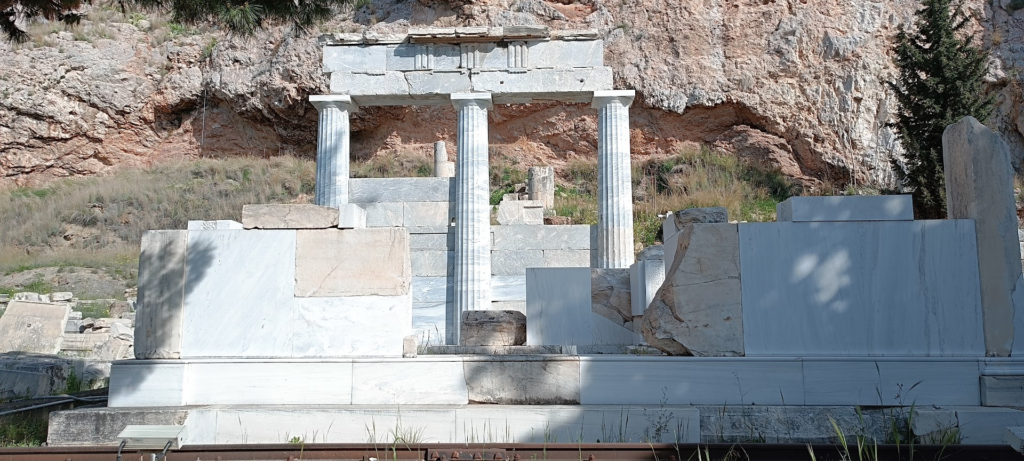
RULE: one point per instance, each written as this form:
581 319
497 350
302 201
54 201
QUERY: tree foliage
238 16
940 73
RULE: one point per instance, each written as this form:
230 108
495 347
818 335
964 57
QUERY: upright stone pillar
332 148
979 186
540 185
442 167
615 187
472 211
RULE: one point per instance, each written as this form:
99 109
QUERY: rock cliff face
792 83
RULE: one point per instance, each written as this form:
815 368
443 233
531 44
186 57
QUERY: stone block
441 83
420 214
77 342
431 289
698 310
1015 438
388 83
355 59
286 216
577 237
33 327
515 262
384 384
61 296
570 258
554 381
566 54
384 214
846 208
508 288
542 80
493 328
979 186
438 242
521 212
374 190
356 262
410 347
540 185
100 426
122 331
220 224
610 295
675 222
1002 391
429 321
519 306
30 297
986 425
113 349
432 263
350 326
73 326
219 322
646 278
813 288
559 310
352 216
444 170
158 321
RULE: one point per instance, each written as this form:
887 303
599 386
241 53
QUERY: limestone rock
493 328
280 216
611 295
698 309
33 327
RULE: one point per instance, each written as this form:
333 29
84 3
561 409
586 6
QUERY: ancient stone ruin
395 302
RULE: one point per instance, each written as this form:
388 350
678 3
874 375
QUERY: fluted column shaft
615 187
472 211
332 149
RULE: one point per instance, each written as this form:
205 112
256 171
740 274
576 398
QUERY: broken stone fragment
493 328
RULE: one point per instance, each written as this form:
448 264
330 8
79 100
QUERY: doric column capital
481 100
603 98
337 101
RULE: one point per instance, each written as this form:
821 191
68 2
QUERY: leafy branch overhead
237 16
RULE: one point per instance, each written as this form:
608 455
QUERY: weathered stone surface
530 382
355 262
61 296
540 185
122 331
432 263
979 186
846 208
33 327
30 375
493 328
570 258
419 214
113 349
438 242
410 346
515 262
698 311
675 222
79 342
384 214
576 237
611 295
502 350
521 212
373 190
280 216
100 426
352 217
1002 391
220 224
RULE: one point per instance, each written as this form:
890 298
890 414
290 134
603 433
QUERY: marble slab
33 327
352 262
861 289
429 322
891 382
529 381
369 326
355 58
237 300
526 237
508 288
986 425
1002 391
570 258
320 424
552 54
846 208
212 225
384 214
437 242
159 311
432 289
432 263
558 306
722 381
543 80
418 214
373 190
576 424
420 382
147 384
281 383
515 262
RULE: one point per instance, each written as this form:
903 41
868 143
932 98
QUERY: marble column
332 148
614 187
472 211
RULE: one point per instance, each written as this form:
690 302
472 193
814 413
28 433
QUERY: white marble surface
417 214
158 319
431 289
646 277
431 263
384 214
147 384
429 322
558 307
526 237
472 271
846 208
281 383
684 381
859 381
353 326
861 288
397 190
575 424
238 294
508 288
220 224
332 149
420 382
615 187
515 262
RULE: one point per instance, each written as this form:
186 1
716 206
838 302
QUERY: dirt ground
83 282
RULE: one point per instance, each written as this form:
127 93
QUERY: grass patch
393 165
23 432
505 175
